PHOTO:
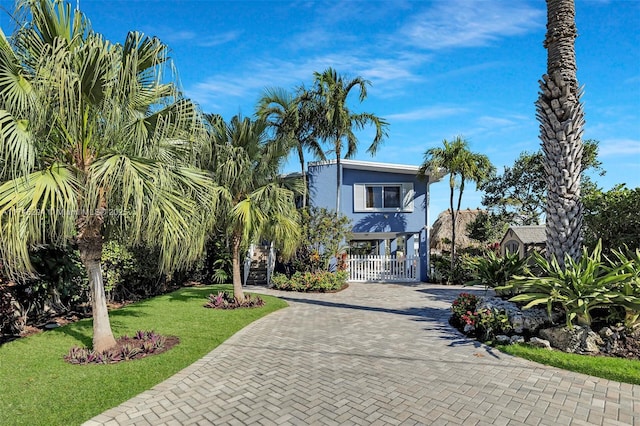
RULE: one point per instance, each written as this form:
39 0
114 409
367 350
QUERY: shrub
6 310
131 273
308 281
486 323
441 265
464 304
224 300
323 232
629 290
493 270
580 287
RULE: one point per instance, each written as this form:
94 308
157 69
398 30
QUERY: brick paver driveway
372 354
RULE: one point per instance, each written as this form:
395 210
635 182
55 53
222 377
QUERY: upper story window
383 196
396 197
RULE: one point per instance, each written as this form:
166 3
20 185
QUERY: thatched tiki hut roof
441 231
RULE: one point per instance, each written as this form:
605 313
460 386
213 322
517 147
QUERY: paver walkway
372 354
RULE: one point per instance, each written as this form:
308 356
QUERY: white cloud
463 23
427 113
613 147
218 39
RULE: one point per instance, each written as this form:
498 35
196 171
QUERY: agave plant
579 287
493 271
629 291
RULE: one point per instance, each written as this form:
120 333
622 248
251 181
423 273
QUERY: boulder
517 339
576 339
522 321
540 343
503 339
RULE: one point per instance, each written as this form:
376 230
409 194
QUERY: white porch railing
383 268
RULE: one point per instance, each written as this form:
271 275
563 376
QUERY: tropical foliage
518 196
334 122
493 270
311 281
455 159
612 216
579 287
95 138
292 118
323 233
254 202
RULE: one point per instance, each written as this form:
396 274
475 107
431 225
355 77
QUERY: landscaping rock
516 339
540 343
503 339
522 321
576 339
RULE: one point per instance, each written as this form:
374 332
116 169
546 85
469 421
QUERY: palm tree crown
335 122
98 145
291 117
254 203
462 165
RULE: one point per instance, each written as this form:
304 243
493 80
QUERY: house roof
379 167
532 234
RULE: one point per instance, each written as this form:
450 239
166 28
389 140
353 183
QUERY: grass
618 369
37 387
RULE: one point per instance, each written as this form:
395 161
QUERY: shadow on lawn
82 330
200 292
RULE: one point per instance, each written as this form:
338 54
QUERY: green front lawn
37 387
618 369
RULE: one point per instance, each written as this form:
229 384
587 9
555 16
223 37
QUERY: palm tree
455 159
254 203
290 116
561 117
335 122
97 145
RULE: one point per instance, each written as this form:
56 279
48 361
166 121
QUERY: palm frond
39 208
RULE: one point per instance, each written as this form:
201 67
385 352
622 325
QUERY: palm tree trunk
453 225
90 247
236 241
304 189
338 175
561 117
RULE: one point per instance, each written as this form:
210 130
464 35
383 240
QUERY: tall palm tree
254 203
291 117
336 122
455 159
561 117
97 144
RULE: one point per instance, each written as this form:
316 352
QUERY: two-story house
387 204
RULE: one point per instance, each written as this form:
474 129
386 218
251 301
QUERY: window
512 246
383 197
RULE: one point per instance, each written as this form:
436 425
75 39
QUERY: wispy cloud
461 23
269 72
613 147
427 113
175 36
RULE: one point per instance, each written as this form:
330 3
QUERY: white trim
369 165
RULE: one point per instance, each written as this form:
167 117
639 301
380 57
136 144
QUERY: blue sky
438 68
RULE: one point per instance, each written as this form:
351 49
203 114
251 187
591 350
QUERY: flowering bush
484 322
464 303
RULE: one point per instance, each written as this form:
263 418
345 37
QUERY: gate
383 268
